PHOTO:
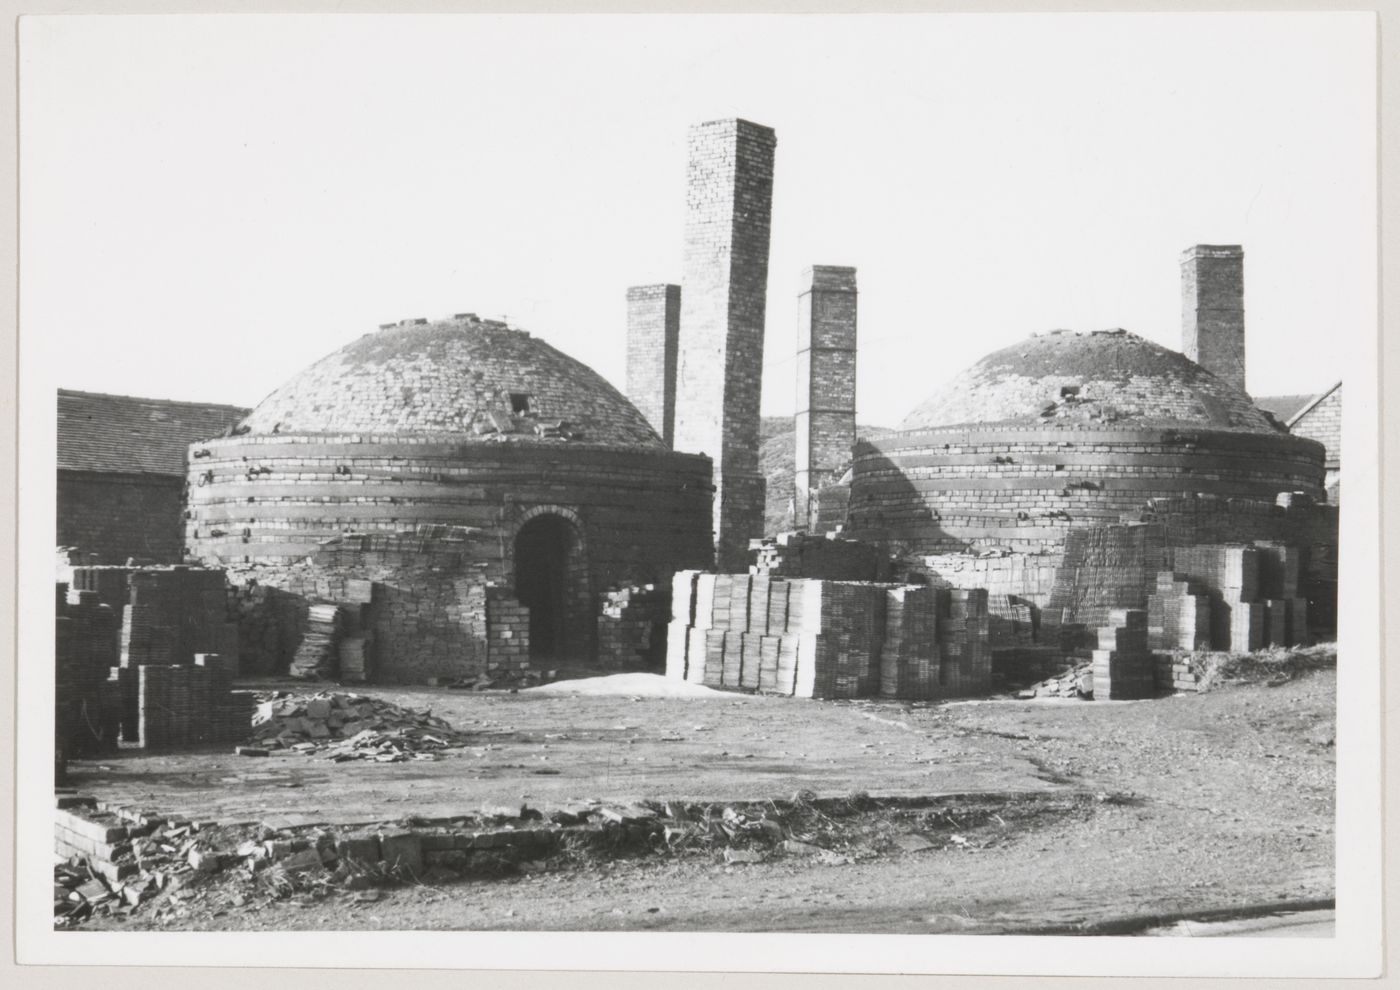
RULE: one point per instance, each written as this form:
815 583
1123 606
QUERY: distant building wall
1322 422
110 517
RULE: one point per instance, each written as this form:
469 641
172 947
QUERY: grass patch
1273 666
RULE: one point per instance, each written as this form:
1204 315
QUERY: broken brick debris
350 727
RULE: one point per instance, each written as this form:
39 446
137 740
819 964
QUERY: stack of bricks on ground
1238 598
828 639
632 627
163 677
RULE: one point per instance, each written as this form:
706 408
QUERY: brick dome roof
477 378
1106 379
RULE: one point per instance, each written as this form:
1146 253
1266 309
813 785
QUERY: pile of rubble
1074 683
348 727
116 861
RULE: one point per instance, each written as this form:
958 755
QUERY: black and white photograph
712 492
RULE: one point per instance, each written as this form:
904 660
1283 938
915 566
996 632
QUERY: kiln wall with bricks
1067 433
422 464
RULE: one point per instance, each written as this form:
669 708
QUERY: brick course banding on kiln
1063 431
415 459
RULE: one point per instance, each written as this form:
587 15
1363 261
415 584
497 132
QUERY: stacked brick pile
828 639
1176 671
1028 576
1123 664
1011 620
1231 574
169 672
909 662
175 612
804 555
1178 614
86 704
507 633
630 627
110 584
184 705
1106 568
964 642
357 658
1016 666
319 652
269 621
1286 610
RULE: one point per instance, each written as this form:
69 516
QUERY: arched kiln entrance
551 580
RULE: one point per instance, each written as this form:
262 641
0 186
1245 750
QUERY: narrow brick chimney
653 329
1212 309
826 383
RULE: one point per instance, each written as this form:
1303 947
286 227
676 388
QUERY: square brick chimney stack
653 329
826 383
724 291
1212 309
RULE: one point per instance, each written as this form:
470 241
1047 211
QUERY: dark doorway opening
542 557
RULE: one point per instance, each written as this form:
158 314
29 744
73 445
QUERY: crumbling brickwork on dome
729 194
478 379
1103 379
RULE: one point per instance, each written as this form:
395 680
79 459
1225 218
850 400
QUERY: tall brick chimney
826 383
1212 309
653 331
724 289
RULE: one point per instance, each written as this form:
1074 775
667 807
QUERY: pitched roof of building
129 435
1282 407
1312 403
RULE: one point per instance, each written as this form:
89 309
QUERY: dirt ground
1182 805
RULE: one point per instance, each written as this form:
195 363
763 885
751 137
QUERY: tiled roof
122 433
1311 404
1282 407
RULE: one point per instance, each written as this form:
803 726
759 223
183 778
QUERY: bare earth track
1089 812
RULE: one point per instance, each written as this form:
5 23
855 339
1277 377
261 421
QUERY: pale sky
208 204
